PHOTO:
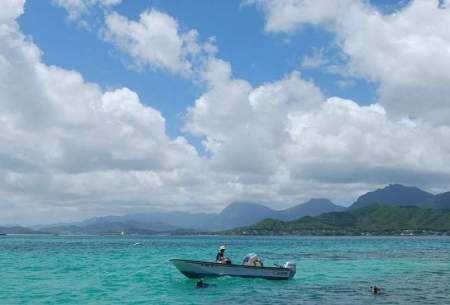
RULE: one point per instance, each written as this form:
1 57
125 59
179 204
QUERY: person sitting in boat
252 259
220 257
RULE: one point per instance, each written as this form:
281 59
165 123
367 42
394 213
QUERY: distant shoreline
446 234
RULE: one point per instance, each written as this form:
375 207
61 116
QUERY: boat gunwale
229 265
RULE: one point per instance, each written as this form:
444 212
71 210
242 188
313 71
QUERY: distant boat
199 269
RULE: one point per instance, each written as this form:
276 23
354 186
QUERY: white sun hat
222 248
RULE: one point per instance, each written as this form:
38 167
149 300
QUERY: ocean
136 270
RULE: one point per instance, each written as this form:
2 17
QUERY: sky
119 106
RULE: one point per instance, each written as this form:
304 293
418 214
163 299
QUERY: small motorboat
199 269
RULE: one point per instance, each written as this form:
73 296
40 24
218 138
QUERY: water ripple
113 270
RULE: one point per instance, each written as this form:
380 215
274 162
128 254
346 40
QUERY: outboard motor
292 266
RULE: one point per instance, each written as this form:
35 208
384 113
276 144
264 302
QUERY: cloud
315 60
155 41
289 15
342 141
244 127
406 52
11 9
78 8
345 83
284 135
71 149
68 143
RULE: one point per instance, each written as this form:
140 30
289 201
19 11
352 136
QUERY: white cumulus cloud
155 41
71 149
285 135
406 52
63 139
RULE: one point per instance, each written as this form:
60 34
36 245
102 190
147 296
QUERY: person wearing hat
220 257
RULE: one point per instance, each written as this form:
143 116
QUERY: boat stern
292 267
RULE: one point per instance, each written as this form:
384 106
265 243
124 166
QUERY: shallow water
330 270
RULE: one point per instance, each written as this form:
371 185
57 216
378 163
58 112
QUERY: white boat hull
201 269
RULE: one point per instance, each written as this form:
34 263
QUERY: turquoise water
330 270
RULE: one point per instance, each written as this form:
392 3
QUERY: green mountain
439 201
374 219
394 195
400 195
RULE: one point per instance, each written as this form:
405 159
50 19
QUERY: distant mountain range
16 230
241 213
238 214
400 195
167 220
234 215
374 219
111 228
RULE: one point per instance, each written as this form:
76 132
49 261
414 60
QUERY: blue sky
118 106
255 55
